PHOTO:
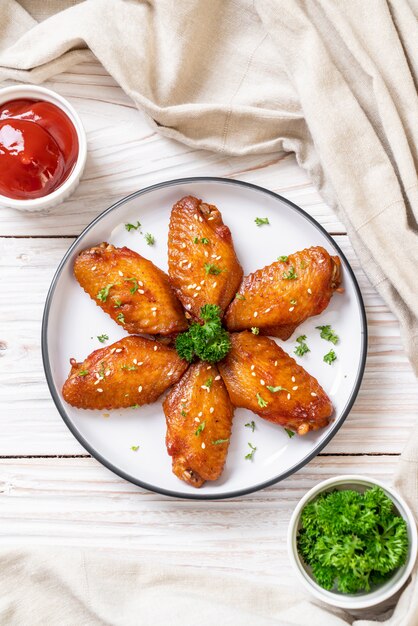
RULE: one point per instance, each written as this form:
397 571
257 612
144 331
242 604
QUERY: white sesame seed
98 375
195 294
135 361
267 310
196 419
183 400
96 382
139 388
262 382
206 253
107 373
288 396
217 378
155 348
205 387
196 217
321 260
203 445
140 283
295 388
313 394
214 285
200 218
209 367
170 373
210 219
252 373
183 245
293 379
113 350
202 282
120 273
188 306
252 367
141 291
99 389
188 316
182 261
310 290
191 227
200 414
213 256
154 314
118 350
218 258
255 313
189 266
211 410
292 308
93 268
141 363
271 277
153 308
198 288
275 363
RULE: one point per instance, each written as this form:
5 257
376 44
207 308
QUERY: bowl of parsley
352 541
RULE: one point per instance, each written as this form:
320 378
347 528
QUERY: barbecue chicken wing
261 377
279 297
202 263
130 372
199 420
131 289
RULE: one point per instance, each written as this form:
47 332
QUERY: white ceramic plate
72 322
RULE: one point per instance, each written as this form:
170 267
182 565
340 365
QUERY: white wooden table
51 491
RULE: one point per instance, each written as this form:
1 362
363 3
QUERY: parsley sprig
330 357
302 348
328 334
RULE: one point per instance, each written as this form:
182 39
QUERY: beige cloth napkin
333 81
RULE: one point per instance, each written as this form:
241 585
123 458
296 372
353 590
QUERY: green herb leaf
130 227
208 383
183 413
210 268
103 293
118 303
255 330
290 275
291 433
83 372
293 301
200 429
196 240
134 448
283 258
134 282
251 425
302 348
130 368
239 296
121 318
261 402
261 220
204 241
102 338
328 334
134 406
330 357
209 342
219 441
276 389
150 239
250 455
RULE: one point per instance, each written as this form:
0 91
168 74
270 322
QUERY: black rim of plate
333 429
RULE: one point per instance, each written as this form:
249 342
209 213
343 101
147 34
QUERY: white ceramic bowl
68 186
360 600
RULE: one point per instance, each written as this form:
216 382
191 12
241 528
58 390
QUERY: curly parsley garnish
290 275
209 342
330 357
328 334
200 429
261 220
302 348
261 402
130 227
250 455
352 540
102 338
210 268
103 293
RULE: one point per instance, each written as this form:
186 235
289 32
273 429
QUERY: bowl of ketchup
43 148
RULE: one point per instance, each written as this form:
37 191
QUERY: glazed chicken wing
279 297
131 289
261 377
199 420
202 263
130 372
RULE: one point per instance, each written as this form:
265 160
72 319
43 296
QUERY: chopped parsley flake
276 389
290 433
83 372
134 406
250 455
261 402
239 296
302 348
130 368
255 330
204 240
134 448
196 240
102 338
219 441
103 293
251 425
293 301
261 220
210 268
330 357
134 282
200 429
208 383
121 318
130 227
283 258
290 275
183 413
328 334
150 239
118 303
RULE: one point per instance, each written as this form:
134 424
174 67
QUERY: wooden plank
380 420
125 154
78 502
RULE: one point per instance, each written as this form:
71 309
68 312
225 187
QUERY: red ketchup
38 148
